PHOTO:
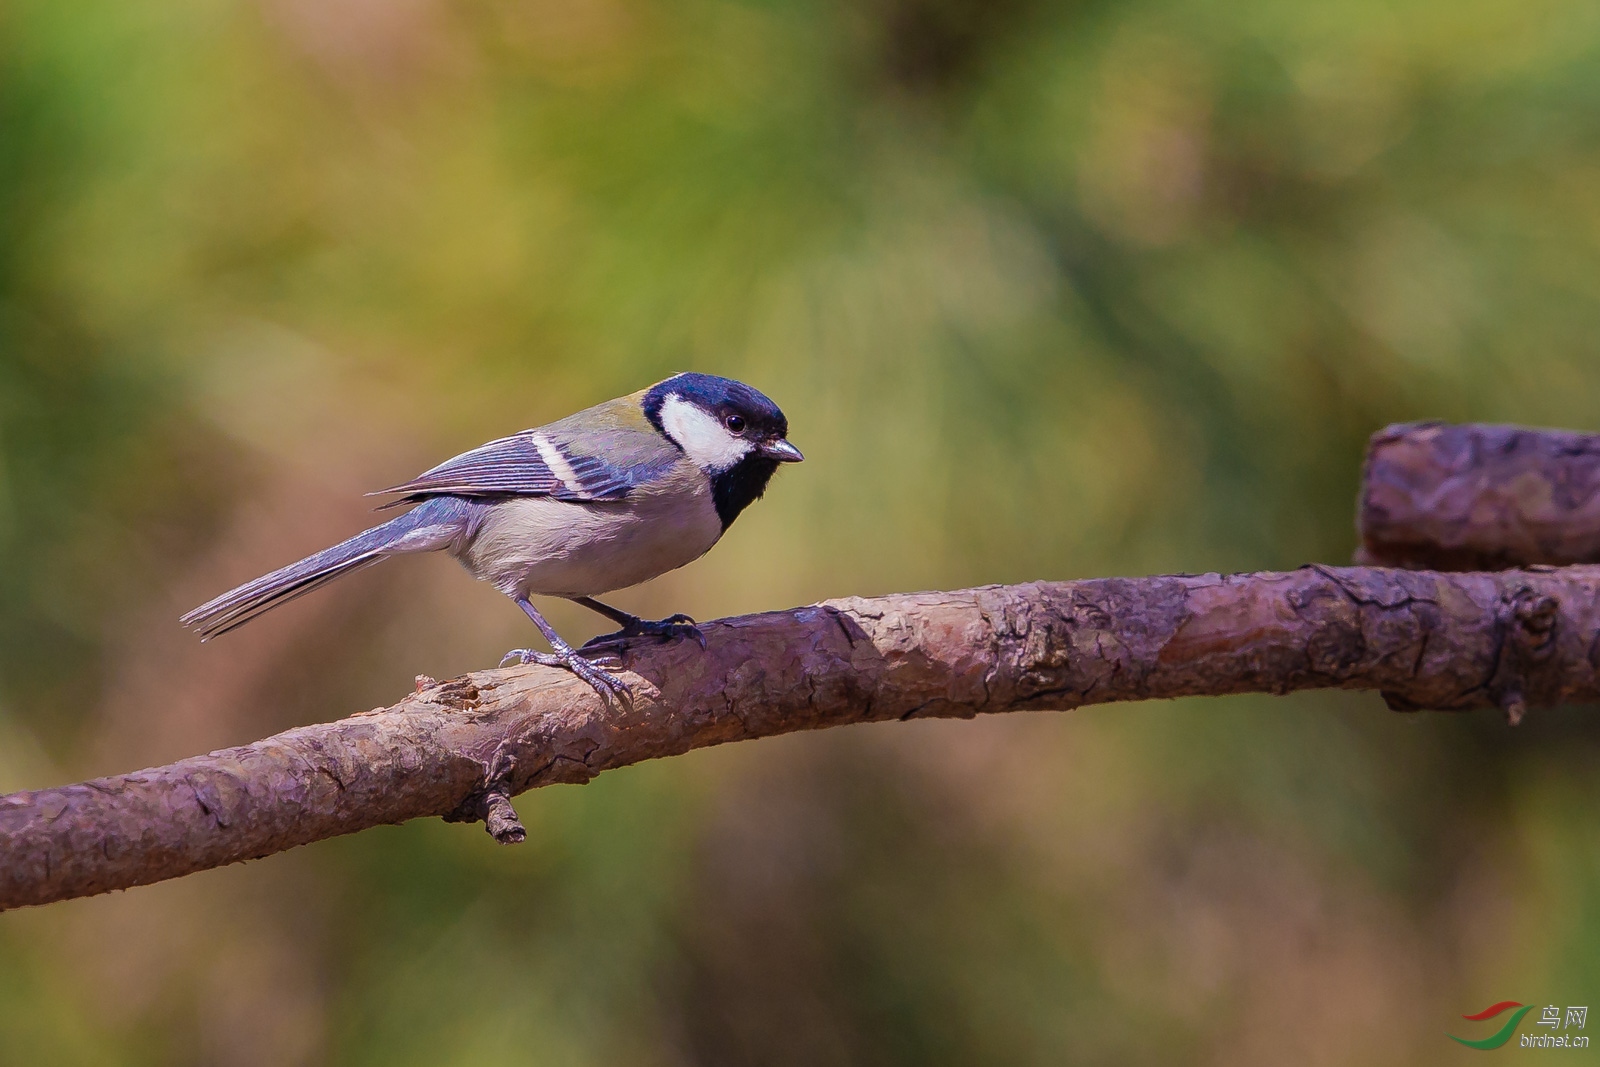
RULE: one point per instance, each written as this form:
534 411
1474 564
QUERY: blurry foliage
1047 290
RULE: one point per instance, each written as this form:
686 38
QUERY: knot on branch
1527 624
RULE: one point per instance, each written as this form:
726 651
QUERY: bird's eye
734 423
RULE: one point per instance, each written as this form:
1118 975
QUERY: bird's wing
599 454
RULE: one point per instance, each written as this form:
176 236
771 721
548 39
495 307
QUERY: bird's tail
433 524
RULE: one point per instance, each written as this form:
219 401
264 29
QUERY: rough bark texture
1480 497
460 749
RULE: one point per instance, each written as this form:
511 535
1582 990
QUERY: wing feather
510 466
545 462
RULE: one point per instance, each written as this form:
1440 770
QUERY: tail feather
434 524
239 607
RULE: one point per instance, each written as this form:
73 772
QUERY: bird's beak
780 450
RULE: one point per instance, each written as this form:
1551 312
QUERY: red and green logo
1500 1036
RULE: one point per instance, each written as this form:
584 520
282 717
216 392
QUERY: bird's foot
666 629
612 690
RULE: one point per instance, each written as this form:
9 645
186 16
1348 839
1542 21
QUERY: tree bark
1479 497
462 748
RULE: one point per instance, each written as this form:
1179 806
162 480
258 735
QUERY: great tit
600 500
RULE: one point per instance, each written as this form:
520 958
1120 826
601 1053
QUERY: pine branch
462 748
1479 497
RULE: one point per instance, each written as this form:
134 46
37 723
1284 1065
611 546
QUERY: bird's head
720 424
731 432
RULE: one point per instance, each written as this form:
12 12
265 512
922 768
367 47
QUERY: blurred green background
1046 290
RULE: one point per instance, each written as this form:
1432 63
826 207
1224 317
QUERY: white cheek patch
702 438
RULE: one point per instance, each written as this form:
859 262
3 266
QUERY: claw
612 690
679 625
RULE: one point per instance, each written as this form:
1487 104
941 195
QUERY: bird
609 497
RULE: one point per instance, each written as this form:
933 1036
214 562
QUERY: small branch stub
493 808
500 819
1528 620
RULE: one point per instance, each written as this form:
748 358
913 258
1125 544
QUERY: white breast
537 545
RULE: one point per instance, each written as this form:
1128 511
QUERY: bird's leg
679 625
611 688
